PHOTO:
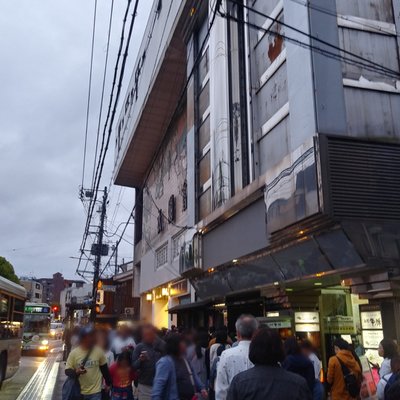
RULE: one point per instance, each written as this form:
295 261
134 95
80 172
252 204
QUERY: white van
56 330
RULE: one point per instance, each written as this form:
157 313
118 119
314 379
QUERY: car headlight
45 342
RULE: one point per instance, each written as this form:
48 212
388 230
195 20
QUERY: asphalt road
29 365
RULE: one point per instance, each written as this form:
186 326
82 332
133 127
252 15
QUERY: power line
378 67
103 89
316 49
323 10
89 92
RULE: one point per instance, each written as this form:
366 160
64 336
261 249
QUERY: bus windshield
36 323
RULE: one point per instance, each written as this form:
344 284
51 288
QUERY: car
56 330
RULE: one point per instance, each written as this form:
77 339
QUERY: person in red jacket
122 375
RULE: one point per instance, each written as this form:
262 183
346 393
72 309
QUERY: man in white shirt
236 359
123 341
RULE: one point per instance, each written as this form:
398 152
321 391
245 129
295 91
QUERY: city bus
36 335
12 302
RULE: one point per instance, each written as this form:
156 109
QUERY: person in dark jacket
297 362
267 379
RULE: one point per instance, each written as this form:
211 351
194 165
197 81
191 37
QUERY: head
340 344
124 360
307 348
149 334
266 348
102 339
221 336
124 331
246 326
388 349
291 346
175 345
395 364
87 337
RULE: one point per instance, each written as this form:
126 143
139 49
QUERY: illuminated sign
371 320
310 317
37 310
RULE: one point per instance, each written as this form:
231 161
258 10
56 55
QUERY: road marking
50 382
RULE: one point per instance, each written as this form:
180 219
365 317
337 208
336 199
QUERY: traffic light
55 309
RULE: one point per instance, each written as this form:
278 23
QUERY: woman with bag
344 373
175 378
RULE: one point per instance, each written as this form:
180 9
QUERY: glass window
204 169
204 134
19 305
203 67
204 99
205 204
4 304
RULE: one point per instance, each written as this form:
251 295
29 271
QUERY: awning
190 306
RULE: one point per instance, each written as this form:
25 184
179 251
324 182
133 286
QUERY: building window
162 255
37 286
177 243
202 112
37 296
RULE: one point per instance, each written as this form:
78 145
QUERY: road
30 364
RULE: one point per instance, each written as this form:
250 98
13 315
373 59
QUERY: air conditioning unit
129 311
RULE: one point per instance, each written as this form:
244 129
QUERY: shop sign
307 328
109 288
339 324
310 317
371 320
179 288
279 324
371 339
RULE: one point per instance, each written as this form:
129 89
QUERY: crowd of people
147 364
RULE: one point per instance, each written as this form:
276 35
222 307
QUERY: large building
34 289
264 145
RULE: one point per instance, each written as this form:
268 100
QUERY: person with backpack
387 381
344 373
87 366
236 359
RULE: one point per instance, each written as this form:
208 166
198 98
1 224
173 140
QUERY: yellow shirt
90 381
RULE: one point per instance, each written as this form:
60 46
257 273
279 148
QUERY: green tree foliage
7 270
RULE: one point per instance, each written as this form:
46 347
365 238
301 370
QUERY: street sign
109 288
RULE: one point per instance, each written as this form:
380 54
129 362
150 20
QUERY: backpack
214 367
353 385
392 388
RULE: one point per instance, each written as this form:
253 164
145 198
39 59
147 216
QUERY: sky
44 73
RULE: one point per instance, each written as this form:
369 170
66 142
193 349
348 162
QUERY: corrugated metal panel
364 179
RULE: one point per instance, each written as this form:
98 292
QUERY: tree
7 270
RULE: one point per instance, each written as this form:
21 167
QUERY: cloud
44 82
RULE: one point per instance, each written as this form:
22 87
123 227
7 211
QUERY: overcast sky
44 69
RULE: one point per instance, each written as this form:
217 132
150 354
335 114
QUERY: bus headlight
45 342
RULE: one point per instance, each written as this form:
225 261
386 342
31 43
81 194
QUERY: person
296 362
387 349
308 351
102 341
88 363
337 364
122 375
392 388
144 359
235 359
386 381
123 341
220 343
175 378
196 354
267 379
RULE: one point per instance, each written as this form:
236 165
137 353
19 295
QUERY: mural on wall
167 179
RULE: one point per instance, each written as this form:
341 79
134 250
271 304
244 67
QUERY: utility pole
97 260
116 259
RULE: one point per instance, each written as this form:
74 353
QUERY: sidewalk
61 377
42 384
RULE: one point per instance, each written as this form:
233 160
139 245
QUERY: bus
12 302
36 335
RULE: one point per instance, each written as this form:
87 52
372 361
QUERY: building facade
263 141
34 289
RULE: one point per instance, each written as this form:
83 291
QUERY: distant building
52 287
34 289
76 294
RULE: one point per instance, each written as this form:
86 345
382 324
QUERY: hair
307 345
390 348
172 343
124 356
246 326
341 344
220 336
266 348
291 346
395 364
201 341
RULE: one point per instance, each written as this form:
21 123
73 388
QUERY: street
36 376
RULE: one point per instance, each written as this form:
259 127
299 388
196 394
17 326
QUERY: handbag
71 389
351 382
